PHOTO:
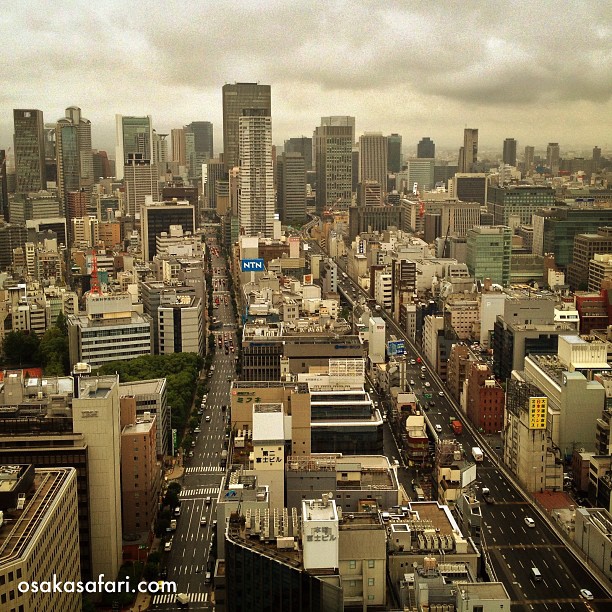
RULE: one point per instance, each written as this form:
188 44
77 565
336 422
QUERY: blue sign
396 347
252 265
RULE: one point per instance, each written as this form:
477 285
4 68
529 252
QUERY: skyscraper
29 150
373 159
426 148
291 188
341 120
596 157
303 146
133 135
256 199
394 153
141 180
553 157
529 157
4 200
333 150
470 150
236 98
203 138
178 146
509 152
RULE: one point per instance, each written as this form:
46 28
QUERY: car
208 500
529 522
203 522
413 362
427 384
193 443
441 393
586 594
412 382
432 404
438 428
197 430
168 545
208 418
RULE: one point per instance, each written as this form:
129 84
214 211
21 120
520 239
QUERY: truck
457 427
420 494
477 454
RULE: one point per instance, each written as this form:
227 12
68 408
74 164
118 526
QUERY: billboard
396 348
538 408
252 265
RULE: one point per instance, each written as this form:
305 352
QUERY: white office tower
269 450
320 533
256 195
376 350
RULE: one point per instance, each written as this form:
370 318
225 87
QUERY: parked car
529 522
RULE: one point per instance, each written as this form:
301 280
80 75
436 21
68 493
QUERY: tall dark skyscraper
291 188
4 201
426 148
29 150
468 159
237 98
509 153
203 137
303 146
394 154
553 157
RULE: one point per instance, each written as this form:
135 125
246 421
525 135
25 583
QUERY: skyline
441 68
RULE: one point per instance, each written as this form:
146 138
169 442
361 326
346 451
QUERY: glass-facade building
489 251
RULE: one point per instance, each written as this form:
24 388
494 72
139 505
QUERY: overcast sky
535 71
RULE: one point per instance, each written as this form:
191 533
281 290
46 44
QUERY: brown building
140 471
585 247
109 233
458 365
485 399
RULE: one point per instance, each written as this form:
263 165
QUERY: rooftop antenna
95 282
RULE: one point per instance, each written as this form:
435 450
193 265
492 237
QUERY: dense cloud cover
538 72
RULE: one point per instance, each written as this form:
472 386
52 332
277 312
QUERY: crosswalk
204 469
171 598
199 491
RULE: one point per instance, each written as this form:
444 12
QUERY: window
370 581
370 563
352 564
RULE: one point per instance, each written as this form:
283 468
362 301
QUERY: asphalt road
192 554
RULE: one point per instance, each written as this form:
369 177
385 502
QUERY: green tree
21 349
54 352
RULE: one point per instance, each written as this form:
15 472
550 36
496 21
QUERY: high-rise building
373 158
160 151
178 146
394 153
470 150
529 159
236 98
203 138
553 158
291 188
303 146
469 187
157 217
333 150
509 152
488 253
180 324
419 171
596 157
45 521
341 121
141 180
29 150
215 171
4 199
133 135
256 196
426 148
101 165
514 205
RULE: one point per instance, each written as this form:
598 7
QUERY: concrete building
180 324
469 159
256 178
419 171
592 535
373 159
426 148
134 136
462 313
509 152
303 146
528 448
151 396
600 272
29 150
488 253
291 188
585 248
141 181
553 158
469 187
236 98
110 329
458 367
456 216
514 205
332 146
141 473
96 414
39 531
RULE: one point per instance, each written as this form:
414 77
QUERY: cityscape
259 356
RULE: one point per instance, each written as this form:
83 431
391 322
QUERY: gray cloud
415 68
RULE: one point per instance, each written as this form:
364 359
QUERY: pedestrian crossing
199 491
171 598
204 469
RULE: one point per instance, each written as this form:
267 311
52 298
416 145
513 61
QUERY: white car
529 522
427 384
586 594
441 393
412 382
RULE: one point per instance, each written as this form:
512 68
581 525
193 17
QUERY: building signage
320 534
252 265
538 409
396 347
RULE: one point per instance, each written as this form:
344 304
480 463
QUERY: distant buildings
509 152
29 150
426 148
